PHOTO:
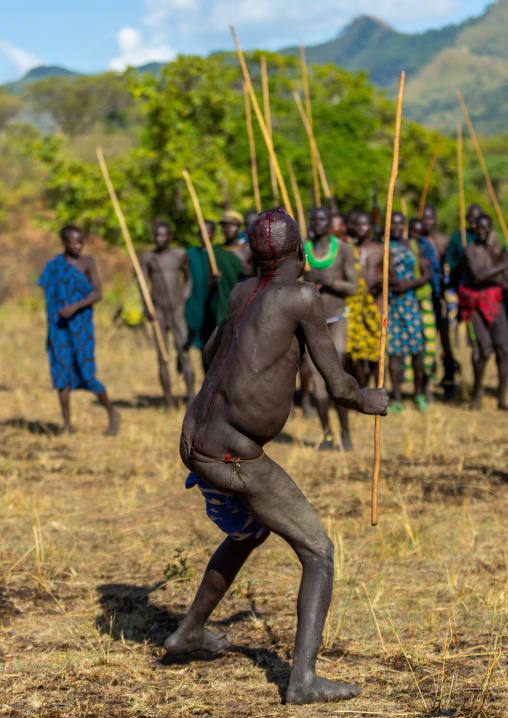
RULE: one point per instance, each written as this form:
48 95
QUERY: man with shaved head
245 400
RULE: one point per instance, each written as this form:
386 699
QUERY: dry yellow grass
102 549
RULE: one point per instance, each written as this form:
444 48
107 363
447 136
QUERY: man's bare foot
68 429
170 405
502 406
207 640
320 690
114 424
328 443
347 444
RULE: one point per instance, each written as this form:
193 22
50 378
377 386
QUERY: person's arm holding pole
384 316
147 298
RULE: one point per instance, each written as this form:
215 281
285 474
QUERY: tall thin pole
201 222
299 207
132 254
462 201
490 186
252 148
313 144
262 124
428 175
308 113
268 120
384 316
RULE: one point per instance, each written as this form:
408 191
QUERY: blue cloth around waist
227 512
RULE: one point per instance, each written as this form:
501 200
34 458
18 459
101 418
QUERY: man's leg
305 377
65 404
338 333
113 415
419 373
181 335
277 503
502 370
219 575
395 365
481 353
322 405
163 367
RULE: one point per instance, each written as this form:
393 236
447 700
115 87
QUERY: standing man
234 261
71 286
481 304
243 404
332 269
163 267
364 317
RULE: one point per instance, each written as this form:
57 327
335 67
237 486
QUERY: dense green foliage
192 116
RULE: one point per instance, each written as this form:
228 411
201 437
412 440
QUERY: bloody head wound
273 235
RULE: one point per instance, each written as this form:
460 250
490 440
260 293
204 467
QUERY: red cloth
486 301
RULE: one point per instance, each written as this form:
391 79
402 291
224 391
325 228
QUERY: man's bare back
244 402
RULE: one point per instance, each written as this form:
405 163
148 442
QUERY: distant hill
471 56
38 73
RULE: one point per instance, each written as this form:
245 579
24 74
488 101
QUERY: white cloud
200 26
20 61
134 51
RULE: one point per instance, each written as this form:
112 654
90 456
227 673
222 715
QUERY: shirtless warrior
332 269
163 267
244 403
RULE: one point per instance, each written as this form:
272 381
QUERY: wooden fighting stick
268 120
252 148
384 316
299 207
201 222
132 254
490 186
262 124
462 201
315 149
308 115
428 175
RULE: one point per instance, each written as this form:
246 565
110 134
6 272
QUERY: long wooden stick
132 254
490 186
262 124
201 222
268 120
315 149
252 148
428 175
384 316
299 207
462 201
308 114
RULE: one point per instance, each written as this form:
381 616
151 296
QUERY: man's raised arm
342 387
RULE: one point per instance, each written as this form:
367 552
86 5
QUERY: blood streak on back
263 281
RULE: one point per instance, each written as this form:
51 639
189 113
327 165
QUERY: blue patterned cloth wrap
227 512
71 344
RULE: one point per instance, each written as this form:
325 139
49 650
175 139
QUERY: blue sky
109 34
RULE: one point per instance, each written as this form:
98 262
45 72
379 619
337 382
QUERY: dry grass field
102 549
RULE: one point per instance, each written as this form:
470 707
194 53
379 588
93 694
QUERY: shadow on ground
129 611
47 428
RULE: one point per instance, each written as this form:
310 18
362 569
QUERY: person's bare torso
246 397
481 258
165 269
440 243
335 304
371 264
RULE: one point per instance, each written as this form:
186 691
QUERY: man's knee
319 549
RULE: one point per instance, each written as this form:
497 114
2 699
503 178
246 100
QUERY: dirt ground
102 550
